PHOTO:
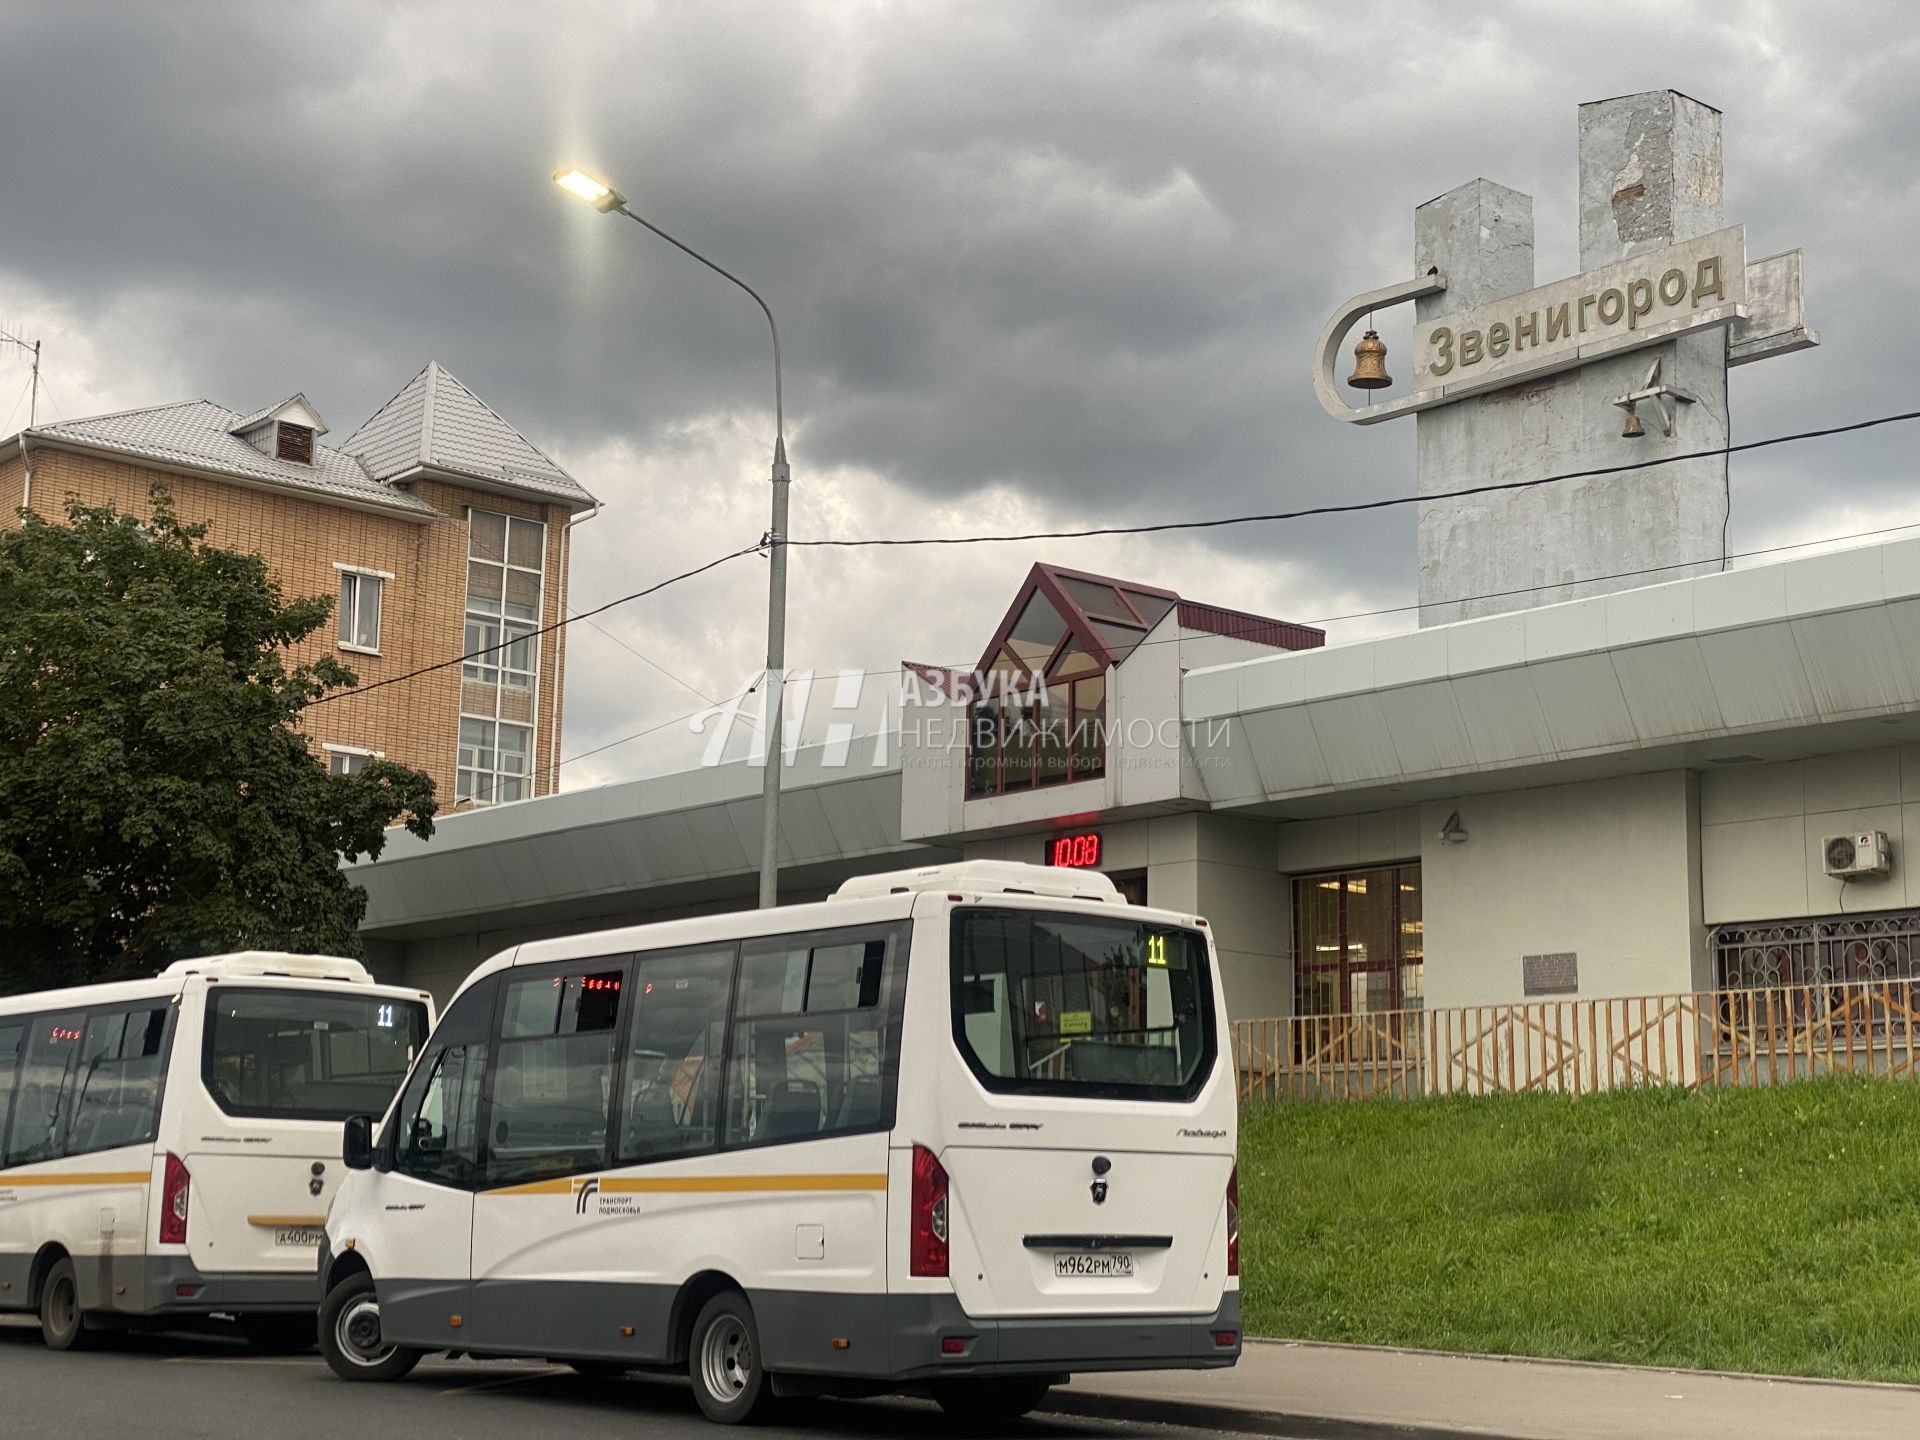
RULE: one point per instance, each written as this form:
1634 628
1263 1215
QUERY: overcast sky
1037 265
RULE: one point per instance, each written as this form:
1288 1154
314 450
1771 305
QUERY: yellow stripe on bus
537 1187
289 1222
106 1177
699 1184
703 1184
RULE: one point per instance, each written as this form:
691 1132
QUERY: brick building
438 527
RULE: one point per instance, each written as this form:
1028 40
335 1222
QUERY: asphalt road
164 1387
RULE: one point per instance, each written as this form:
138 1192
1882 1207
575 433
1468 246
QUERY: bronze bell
1634 428
1370 364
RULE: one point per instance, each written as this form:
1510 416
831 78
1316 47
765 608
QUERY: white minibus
169 1146
968 1129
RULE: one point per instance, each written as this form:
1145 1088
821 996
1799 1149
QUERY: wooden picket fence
1575 1047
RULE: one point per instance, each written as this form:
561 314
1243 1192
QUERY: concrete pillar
1650 174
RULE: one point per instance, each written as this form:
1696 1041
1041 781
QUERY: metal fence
1749 1036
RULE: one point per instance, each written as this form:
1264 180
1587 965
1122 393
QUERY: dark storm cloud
1079 248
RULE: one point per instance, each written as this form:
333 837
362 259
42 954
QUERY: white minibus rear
169 1146
968 1129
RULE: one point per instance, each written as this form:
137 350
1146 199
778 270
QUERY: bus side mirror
356 1147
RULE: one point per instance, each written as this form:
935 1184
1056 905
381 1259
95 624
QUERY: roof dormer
287 431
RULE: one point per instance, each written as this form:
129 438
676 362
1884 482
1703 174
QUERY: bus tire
62 1324
995 1402
724 1362
350 1337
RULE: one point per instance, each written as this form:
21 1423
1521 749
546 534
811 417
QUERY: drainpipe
560 671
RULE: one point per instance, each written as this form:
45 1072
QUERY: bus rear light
953 1345
1233 1222
173 1202
928 1243
1226 1339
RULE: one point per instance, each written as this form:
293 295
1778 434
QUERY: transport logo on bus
582 1191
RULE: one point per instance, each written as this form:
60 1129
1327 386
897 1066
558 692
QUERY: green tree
155 799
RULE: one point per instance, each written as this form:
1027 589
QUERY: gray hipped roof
436 424
199 435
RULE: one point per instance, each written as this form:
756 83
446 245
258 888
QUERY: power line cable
753 549
1359 506
1506 594
641 655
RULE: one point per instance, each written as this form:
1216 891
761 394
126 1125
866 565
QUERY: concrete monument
1623 363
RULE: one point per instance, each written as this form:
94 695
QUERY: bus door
425 1194
540 1238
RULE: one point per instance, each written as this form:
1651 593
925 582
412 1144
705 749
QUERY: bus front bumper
931 1337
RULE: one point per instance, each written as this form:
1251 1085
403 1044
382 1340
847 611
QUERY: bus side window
117 1099
813 1040
42 1089
553 1073
11 1032
679 1021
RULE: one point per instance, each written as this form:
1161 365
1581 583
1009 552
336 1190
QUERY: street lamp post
606 199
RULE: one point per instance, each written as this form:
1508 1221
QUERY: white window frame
493 669
345 750
362 572
494 773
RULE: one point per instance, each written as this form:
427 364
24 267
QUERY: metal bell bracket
1660 395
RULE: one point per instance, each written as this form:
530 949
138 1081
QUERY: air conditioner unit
1862 853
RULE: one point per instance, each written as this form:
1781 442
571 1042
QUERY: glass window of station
1358 942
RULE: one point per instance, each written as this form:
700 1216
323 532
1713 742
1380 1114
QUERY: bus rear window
1059 1004
307 1054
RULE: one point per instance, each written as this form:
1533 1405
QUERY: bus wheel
991 1401
729 1380
350 1335
62 1325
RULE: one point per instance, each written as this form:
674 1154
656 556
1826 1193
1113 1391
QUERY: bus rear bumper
931 1337
174 1285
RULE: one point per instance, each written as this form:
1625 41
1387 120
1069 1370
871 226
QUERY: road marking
504 1380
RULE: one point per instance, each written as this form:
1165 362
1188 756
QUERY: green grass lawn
1771 1230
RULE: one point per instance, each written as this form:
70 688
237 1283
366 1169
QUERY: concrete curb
1235 1420
1766 1377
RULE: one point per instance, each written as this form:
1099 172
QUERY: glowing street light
604 198
597 194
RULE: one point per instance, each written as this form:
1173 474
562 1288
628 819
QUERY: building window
494 761
349 759
1358 942
1042 718
505 570
360 610
506 574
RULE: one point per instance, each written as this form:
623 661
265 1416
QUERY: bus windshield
308 1054
1068 1004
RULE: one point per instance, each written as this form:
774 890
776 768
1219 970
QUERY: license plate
303 1239
1095 1265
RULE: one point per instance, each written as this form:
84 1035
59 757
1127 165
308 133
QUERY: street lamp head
601 196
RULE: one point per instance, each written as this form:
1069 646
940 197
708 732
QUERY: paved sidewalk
1330 1392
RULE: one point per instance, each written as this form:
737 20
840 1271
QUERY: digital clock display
1074 852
